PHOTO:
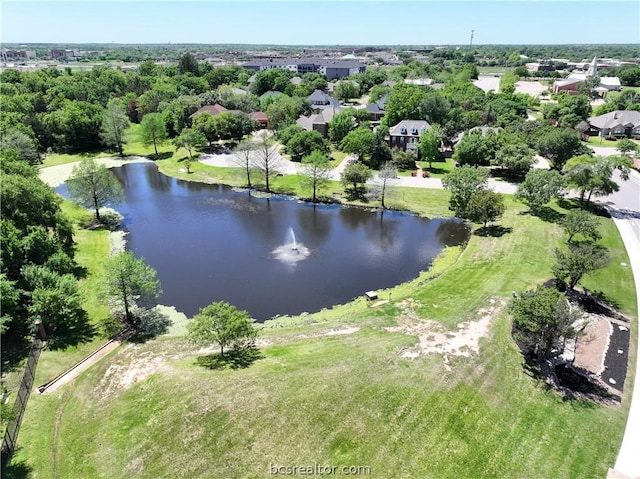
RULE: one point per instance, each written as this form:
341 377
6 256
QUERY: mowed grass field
150 410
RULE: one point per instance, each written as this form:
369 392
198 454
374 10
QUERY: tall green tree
55 300
93 186
190 139
304 143
340 126
316 171
515 157
356 174
539 187
463 182
24 145
472 150
114 125
153 130
188 64
558 145
359 142
404 103
626 147
543 321
581 222
429 145
130 282
593 175
572 264
485 206
346 90
223 324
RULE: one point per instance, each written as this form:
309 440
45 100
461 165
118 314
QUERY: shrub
110 218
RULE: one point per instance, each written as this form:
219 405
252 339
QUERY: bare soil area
433 337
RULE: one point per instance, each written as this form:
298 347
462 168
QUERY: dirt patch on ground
130 367
433 337
340 332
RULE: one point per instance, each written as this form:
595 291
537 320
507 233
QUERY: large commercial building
332 69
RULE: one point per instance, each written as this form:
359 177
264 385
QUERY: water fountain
291 251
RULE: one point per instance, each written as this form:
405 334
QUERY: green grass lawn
597 141
149 409
439 168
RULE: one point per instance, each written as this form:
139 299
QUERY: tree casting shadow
234 359
161 156
495 231
15 469
546 214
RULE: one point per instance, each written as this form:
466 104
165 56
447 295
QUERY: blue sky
303 22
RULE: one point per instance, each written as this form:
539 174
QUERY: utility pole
471 40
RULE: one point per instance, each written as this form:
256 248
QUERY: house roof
628 118
322 118
212 110
296 80
482 129
409 128
319 96
610 81
378 107
320 99
568 81
258 116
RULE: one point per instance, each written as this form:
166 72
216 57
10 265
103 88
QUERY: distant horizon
315 23
328 45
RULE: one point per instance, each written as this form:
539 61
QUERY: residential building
216 109
320 100
376 110
406 134
320 121
618 123
332 69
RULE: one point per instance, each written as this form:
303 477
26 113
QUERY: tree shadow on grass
438 171
495 231
161 156
71 334
507 175
234 359
358 193
545 214
15 469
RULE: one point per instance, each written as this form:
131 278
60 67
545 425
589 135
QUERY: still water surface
210 243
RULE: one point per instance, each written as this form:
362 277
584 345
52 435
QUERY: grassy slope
347 400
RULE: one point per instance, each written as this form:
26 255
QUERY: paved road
625 209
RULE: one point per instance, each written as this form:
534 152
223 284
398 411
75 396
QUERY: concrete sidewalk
624 207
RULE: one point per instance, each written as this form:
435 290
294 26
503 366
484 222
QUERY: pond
211 243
